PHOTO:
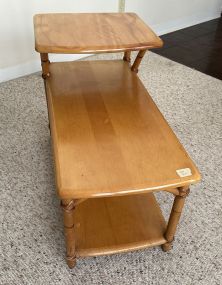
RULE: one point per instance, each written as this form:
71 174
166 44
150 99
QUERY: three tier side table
112 147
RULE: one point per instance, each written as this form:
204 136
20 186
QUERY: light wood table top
109 138
92 33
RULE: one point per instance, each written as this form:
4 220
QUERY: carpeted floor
31 232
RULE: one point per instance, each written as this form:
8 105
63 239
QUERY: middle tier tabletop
108 135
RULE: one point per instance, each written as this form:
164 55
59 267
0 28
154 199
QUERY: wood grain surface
109 138
118 224
92 33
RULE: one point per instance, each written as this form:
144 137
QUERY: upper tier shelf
92 33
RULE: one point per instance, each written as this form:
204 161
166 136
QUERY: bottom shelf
118 224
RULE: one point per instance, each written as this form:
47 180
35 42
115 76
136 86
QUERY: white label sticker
184 172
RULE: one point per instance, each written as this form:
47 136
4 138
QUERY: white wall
166 16
17 55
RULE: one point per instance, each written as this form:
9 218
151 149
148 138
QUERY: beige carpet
31 232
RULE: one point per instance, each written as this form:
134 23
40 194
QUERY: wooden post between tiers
175 217
45 65
68 207
127 55
138 60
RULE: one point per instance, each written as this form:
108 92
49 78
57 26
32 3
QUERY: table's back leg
175 217
68 207
45 65
127 56
138 60
45 73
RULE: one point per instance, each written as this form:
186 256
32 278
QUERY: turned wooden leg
45 65
45 74
68 207
175 217
127 55
138 60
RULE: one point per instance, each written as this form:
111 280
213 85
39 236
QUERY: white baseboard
26 68
185 22
34 65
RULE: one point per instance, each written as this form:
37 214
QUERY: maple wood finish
68 207
118 224
175 217
127 56
110 141
108 135
45 65
138 60
92 33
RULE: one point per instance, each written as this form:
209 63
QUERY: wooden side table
112 147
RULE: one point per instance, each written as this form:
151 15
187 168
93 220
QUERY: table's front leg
175 217
138 60
68 207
